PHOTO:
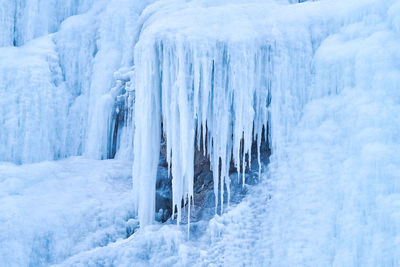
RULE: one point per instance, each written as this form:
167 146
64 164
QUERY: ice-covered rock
59 87
321 79
24 20
218 83
33 103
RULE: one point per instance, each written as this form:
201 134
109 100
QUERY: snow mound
52 210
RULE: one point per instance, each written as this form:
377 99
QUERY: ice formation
218 83
203 95
60 103
22 21
53 210
107 79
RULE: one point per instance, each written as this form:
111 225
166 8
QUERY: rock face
204 199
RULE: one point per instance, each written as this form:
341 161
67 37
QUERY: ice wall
43 110
331 194
33 103
62 101
116 35
7 20
216 82
24 20
211 88
335 197
324 78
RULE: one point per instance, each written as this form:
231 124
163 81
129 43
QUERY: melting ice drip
122 118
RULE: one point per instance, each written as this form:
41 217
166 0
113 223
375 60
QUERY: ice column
213 95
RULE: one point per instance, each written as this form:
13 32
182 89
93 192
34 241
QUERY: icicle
147 135
218 95
206 99
188 224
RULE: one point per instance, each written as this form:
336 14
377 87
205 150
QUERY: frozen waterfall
218 89
113 112
54 88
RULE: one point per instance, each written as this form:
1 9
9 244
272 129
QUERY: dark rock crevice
204 199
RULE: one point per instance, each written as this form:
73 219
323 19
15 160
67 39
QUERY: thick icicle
147 139
201 86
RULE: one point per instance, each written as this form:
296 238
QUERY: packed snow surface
109 78
52 210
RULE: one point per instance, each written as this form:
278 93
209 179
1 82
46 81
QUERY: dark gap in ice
204 199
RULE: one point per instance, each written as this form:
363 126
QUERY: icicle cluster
216 83
218 95
213 95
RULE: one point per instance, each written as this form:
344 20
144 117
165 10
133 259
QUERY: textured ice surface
33 103
331 192
217 82
329 93
52 210
56 98
24 20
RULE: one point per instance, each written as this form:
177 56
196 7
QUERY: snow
52 210
322 76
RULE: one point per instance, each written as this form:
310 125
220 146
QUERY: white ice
324 76
53 210
218 82
331 194
56 98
